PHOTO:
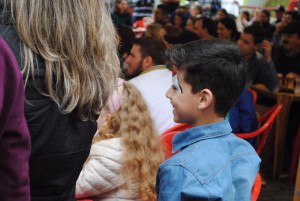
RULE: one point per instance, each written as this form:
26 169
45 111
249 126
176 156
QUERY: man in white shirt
146 67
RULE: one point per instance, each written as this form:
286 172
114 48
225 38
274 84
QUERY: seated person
261 69
242 116
146 66
287 56
212 163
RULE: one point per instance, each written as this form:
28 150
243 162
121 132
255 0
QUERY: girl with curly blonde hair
125 153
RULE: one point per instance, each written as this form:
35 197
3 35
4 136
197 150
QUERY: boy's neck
208 119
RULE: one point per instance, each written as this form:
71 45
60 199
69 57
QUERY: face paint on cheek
176 84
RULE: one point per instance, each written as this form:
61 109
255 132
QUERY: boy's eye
176 85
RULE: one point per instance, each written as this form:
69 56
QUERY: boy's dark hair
152 47
217 65
257 31
209 25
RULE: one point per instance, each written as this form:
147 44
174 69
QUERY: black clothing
60 142
261 72
285 64
121 19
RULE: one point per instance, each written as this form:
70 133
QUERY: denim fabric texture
212 164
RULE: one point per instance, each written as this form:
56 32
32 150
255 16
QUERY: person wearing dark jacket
68 55
14 134
121 16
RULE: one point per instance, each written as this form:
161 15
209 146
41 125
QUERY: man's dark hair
267 13
217 65
294 14
224 11
209 25
126 39
164 8
291 28
257 31
152 47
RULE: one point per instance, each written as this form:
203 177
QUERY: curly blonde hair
142 148
77 41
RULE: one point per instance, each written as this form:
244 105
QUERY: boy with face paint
211 163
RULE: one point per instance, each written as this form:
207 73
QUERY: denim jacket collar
198 133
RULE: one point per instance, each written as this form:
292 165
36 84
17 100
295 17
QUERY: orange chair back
254 95
266 121
256 187
167 136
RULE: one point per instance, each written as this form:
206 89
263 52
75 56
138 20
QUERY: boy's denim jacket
212 164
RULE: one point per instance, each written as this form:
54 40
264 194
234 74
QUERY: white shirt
153 86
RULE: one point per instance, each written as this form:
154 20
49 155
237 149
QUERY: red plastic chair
178 128
256 187
295 156
254 95
266 121
167 136
166 139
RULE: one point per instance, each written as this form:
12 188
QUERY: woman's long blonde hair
142 148
77 41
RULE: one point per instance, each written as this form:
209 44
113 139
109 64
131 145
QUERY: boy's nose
169 93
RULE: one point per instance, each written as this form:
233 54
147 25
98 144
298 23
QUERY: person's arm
14 134
178 184
101 173
268 73
248 120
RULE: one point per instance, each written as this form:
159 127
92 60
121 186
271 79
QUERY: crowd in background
95 88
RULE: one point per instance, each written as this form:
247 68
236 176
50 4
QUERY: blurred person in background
287 56
227 29
121 15
279 11
196 9
142 8
257 52
265 21
221 14
206 28
243 21
125 37
288 17
161 14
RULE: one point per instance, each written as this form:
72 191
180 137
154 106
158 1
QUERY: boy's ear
205 99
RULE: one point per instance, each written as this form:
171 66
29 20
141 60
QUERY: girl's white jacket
101 176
